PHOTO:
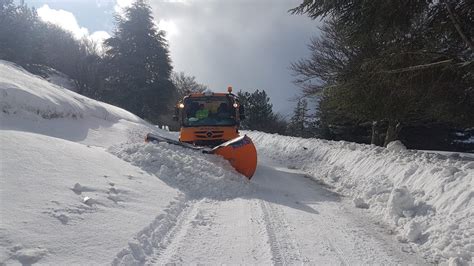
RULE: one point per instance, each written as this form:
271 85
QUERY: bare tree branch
418 67
452 16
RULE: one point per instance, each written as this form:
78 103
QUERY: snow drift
64 203
426 197
23 93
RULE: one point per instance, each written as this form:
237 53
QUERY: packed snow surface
79 186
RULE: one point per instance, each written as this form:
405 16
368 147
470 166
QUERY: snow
29 96
79 186
60 79
360 203
396 146
185 169
400 204
65 199
412 231
426 197
79 195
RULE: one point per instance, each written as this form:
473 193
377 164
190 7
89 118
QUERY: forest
379 71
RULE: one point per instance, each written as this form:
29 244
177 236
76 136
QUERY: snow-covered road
286 219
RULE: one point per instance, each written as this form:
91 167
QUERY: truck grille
210 134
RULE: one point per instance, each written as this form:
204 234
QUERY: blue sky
243 43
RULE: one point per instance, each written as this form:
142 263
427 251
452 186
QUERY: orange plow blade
241 154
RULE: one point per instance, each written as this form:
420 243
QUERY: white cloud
169 26
63 19
247 44
99 36
67 21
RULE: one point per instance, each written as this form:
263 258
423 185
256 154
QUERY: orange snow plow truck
210 122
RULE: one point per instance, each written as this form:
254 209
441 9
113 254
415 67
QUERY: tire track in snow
170 244
339 253
283 247
157 236
232 231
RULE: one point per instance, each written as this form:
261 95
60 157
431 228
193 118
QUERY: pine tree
299 125
139 64
258 109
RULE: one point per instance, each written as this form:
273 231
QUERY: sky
247 44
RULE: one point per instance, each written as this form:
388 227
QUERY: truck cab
209 119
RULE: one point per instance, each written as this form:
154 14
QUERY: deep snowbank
427 198
32 104
66 203
25 94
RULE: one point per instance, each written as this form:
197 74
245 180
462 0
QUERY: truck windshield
209 111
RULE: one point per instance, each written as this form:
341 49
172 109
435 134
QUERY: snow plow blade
150 137
241 154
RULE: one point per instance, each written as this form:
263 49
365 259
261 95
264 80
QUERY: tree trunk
375 134
393 129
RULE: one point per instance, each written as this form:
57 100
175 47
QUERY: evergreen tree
259 113
139 64
258 109
299 125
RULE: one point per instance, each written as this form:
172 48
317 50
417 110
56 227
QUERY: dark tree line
386 70
260 116
135 72
29 42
